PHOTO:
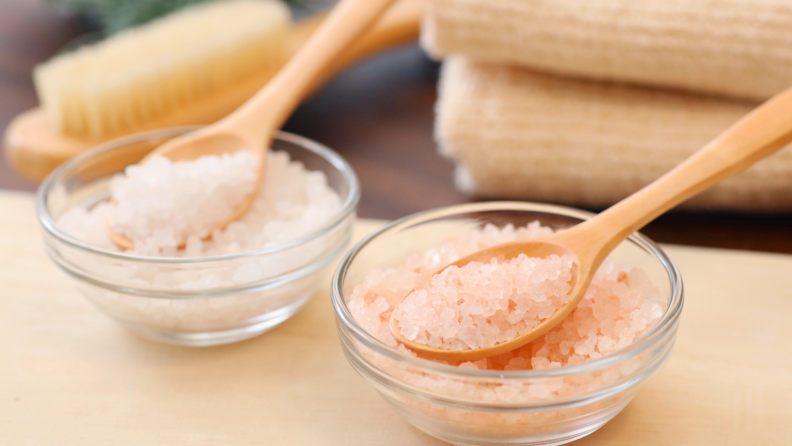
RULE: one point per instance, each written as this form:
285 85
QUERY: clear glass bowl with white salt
244 282
464 405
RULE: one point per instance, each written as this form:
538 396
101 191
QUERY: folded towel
741 48
520 134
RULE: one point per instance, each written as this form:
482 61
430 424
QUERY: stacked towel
622 120
736 47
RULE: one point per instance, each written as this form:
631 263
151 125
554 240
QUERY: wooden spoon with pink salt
572 255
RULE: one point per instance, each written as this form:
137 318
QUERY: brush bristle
113 86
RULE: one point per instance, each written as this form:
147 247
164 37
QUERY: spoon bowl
560 244
759 134
194 145
540 248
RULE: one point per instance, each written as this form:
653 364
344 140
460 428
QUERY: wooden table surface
76 378
378 115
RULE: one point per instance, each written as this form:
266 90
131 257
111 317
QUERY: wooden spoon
757 135
252 126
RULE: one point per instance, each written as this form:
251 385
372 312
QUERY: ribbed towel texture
609 123
741 48
516 133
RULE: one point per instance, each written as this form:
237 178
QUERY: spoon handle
271 105
757 135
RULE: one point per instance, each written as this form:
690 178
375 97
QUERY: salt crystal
601 324
487 292
162 204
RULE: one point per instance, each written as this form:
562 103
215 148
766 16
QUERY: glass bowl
197 301
438 398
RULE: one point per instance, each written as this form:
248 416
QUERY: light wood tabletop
71 376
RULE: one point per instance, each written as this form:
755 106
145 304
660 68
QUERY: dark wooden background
378 115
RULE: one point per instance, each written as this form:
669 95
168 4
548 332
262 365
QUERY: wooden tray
71 376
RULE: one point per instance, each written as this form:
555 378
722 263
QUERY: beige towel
520 134
741 48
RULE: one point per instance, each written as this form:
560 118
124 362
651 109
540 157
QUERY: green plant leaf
114 15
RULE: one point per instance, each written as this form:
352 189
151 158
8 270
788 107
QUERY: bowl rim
46 220
348 322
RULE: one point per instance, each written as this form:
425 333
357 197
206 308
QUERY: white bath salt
619 307
159 204
480 304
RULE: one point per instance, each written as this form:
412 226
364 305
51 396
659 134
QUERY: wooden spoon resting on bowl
759 134
253 125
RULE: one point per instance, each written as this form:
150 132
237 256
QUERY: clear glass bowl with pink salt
227 292
560 387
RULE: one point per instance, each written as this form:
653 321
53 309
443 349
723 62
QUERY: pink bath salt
620 306
483 304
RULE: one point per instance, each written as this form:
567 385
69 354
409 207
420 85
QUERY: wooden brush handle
759 134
